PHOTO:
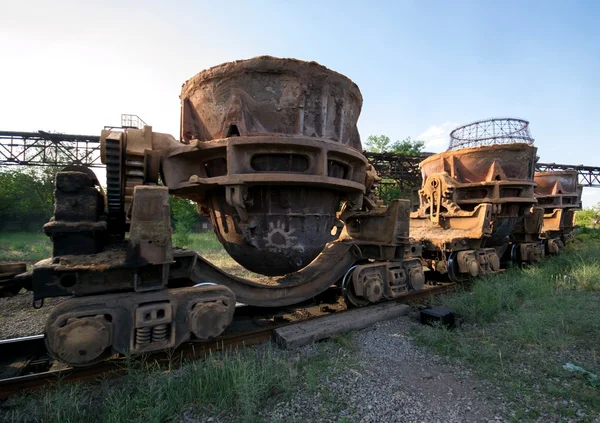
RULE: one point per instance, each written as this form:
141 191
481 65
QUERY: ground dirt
395 381
390 380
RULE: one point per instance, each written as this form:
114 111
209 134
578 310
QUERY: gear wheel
447 202
113 150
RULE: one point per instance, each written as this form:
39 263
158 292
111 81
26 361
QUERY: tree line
27 200
26 197
389 188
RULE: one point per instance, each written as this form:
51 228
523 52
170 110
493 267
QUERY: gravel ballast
395 381
19 318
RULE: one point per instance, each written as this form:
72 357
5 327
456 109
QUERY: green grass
586 217
204 242
524 325
208 246
238 384
32 247
24 246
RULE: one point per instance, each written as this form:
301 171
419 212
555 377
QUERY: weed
32 247
24 246
525 324
236 383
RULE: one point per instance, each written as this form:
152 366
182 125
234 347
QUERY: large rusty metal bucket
501 175
273 149
559 193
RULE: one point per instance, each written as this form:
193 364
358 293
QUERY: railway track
26 364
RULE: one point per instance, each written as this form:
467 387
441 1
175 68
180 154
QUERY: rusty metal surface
264 223
471 203
457 182
270 149
558 189
77 223
83 331
267 95
589 176
559 195
10 285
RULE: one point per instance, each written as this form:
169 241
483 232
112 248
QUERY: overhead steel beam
405 170
51 149
589 176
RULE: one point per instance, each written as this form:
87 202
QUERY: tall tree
383 144
389 189
377 143
26 197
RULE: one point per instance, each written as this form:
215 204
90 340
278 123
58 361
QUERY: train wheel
348 291
453 272
515 256
81 341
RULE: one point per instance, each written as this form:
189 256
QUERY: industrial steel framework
404 170
589 176
50 149
53 149
490 131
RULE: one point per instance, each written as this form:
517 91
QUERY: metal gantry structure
54 149
48 149
490 131
589 176
43 148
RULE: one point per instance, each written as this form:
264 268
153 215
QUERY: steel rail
118 366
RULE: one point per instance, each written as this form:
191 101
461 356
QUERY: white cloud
590 197
436 137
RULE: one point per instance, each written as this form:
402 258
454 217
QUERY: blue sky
424 67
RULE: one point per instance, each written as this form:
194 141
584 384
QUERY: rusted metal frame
14 155
62 147
241 172
193 268
132 121
496 188
28 141
133 316
274 213
326 270
43 150
404 186
490 131
395 166
552 191
589 175
451 178
85 280
7 158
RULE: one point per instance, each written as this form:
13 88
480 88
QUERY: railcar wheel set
270 151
